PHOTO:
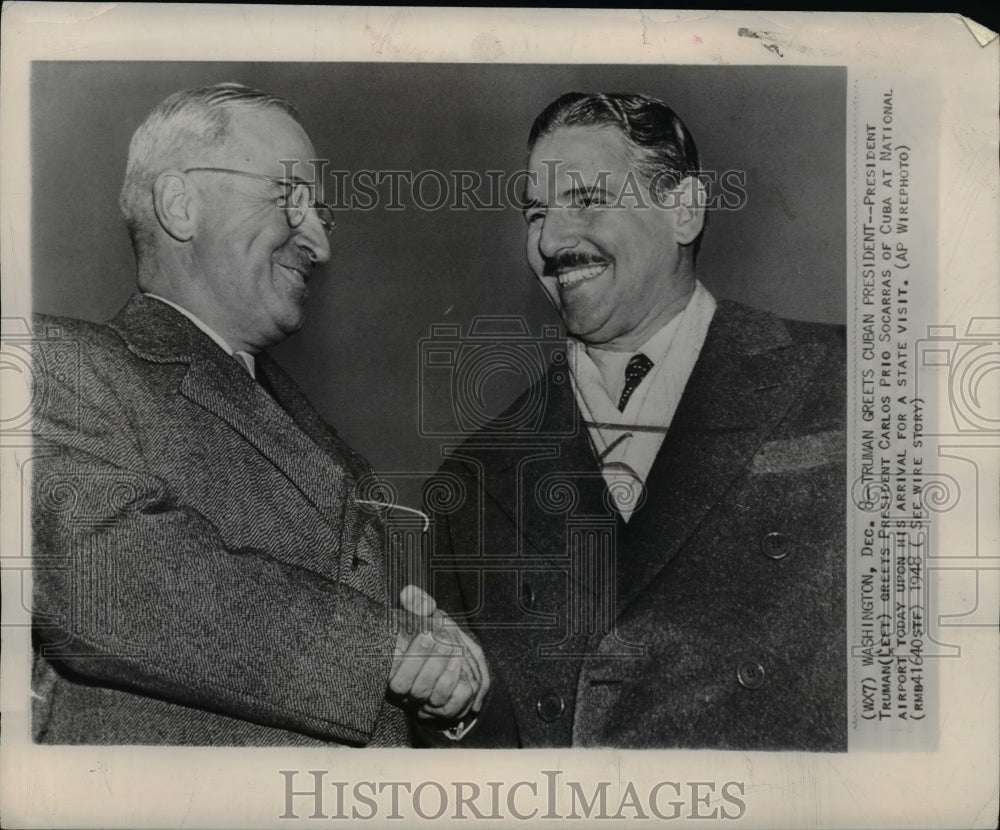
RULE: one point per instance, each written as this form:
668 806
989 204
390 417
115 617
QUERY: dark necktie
636 369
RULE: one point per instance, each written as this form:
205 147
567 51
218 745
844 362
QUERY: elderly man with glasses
204 573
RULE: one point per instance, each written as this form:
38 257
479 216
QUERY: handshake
438 670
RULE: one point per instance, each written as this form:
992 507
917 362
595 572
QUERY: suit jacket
203 573
715 617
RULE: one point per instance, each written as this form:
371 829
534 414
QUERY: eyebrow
567 195
593 190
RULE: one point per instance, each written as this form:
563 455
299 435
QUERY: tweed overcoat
715 617
202 571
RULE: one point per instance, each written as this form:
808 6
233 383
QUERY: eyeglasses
296 202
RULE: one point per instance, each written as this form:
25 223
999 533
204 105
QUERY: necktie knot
636 369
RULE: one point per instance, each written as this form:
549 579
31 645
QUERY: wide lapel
214 381
294 402
747 376
548 481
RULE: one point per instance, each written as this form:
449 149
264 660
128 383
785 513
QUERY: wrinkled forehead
265 140
574 157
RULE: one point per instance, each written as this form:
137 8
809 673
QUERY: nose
313 237
557 233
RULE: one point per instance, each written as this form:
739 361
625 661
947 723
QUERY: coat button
550 706
776 545
527 595
750 675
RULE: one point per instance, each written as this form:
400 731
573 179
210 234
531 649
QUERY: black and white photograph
708 614
374 415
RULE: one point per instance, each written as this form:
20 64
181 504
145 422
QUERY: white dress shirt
627 442
247 359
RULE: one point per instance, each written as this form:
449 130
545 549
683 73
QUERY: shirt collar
627 443
611 364
247 358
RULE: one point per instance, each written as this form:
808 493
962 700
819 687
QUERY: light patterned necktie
636 369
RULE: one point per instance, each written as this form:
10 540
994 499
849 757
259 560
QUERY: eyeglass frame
327 226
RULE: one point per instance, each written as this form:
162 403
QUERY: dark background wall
395 273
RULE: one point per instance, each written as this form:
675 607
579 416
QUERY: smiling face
253 267
609 260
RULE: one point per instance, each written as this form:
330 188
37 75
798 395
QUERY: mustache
552 266
303 265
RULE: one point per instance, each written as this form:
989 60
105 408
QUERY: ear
175 205
689 216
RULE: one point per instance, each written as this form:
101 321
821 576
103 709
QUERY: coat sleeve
135 590
496 726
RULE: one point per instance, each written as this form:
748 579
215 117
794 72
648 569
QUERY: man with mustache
203 570
662 561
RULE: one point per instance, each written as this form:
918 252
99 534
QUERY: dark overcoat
715 617
202 571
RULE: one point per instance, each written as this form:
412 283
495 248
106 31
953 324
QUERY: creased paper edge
982 34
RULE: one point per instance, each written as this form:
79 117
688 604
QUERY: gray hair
189 120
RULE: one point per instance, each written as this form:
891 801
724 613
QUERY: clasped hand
438 670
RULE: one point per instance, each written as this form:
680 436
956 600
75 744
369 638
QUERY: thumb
417 601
